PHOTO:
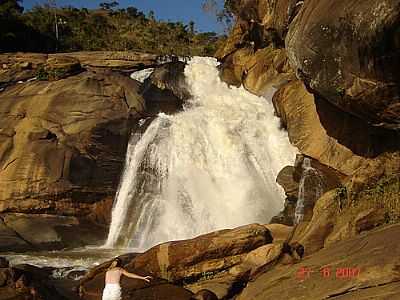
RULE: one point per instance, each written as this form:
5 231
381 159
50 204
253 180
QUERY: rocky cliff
335 67
64 127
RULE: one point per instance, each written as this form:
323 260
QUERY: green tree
10 8
224 14
191 27
109 5
132 11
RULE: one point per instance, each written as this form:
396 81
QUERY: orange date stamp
304 273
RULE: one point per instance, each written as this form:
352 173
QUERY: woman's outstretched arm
135 276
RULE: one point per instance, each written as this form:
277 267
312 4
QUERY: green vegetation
382 196
46 28
225 15
53 74
42 74
340 90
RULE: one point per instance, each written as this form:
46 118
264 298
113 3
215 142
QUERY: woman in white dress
112 290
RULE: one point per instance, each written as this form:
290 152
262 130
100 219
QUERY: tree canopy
106 28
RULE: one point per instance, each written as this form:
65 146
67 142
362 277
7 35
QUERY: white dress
112 291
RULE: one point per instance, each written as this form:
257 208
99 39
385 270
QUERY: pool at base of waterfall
72 263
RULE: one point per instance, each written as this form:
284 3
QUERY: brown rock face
189 259
253 53
347 52
323 132
205 262
370 198
316 180
63 143
348 272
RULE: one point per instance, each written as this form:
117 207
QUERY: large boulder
189 260
26 282
166 90
320 130
63 143
347 52
205 262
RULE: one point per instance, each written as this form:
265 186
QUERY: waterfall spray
209 167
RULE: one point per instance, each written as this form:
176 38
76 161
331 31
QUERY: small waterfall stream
209 167
311 186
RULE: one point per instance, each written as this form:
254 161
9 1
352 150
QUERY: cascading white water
209 167
314 189
142 75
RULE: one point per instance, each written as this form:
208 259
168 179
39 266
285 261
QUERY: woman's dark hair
118 262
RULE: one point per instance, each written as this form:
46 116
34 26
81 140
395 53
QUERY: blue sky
174 10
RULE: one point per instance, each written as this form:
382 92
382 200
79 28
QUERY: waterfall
209 167
311 191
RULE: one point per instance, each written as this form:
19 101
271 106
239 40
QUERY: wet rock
41 231
28 283
165 90
347 52
315 182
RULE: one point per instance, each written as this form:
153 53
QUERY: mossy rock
58 68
